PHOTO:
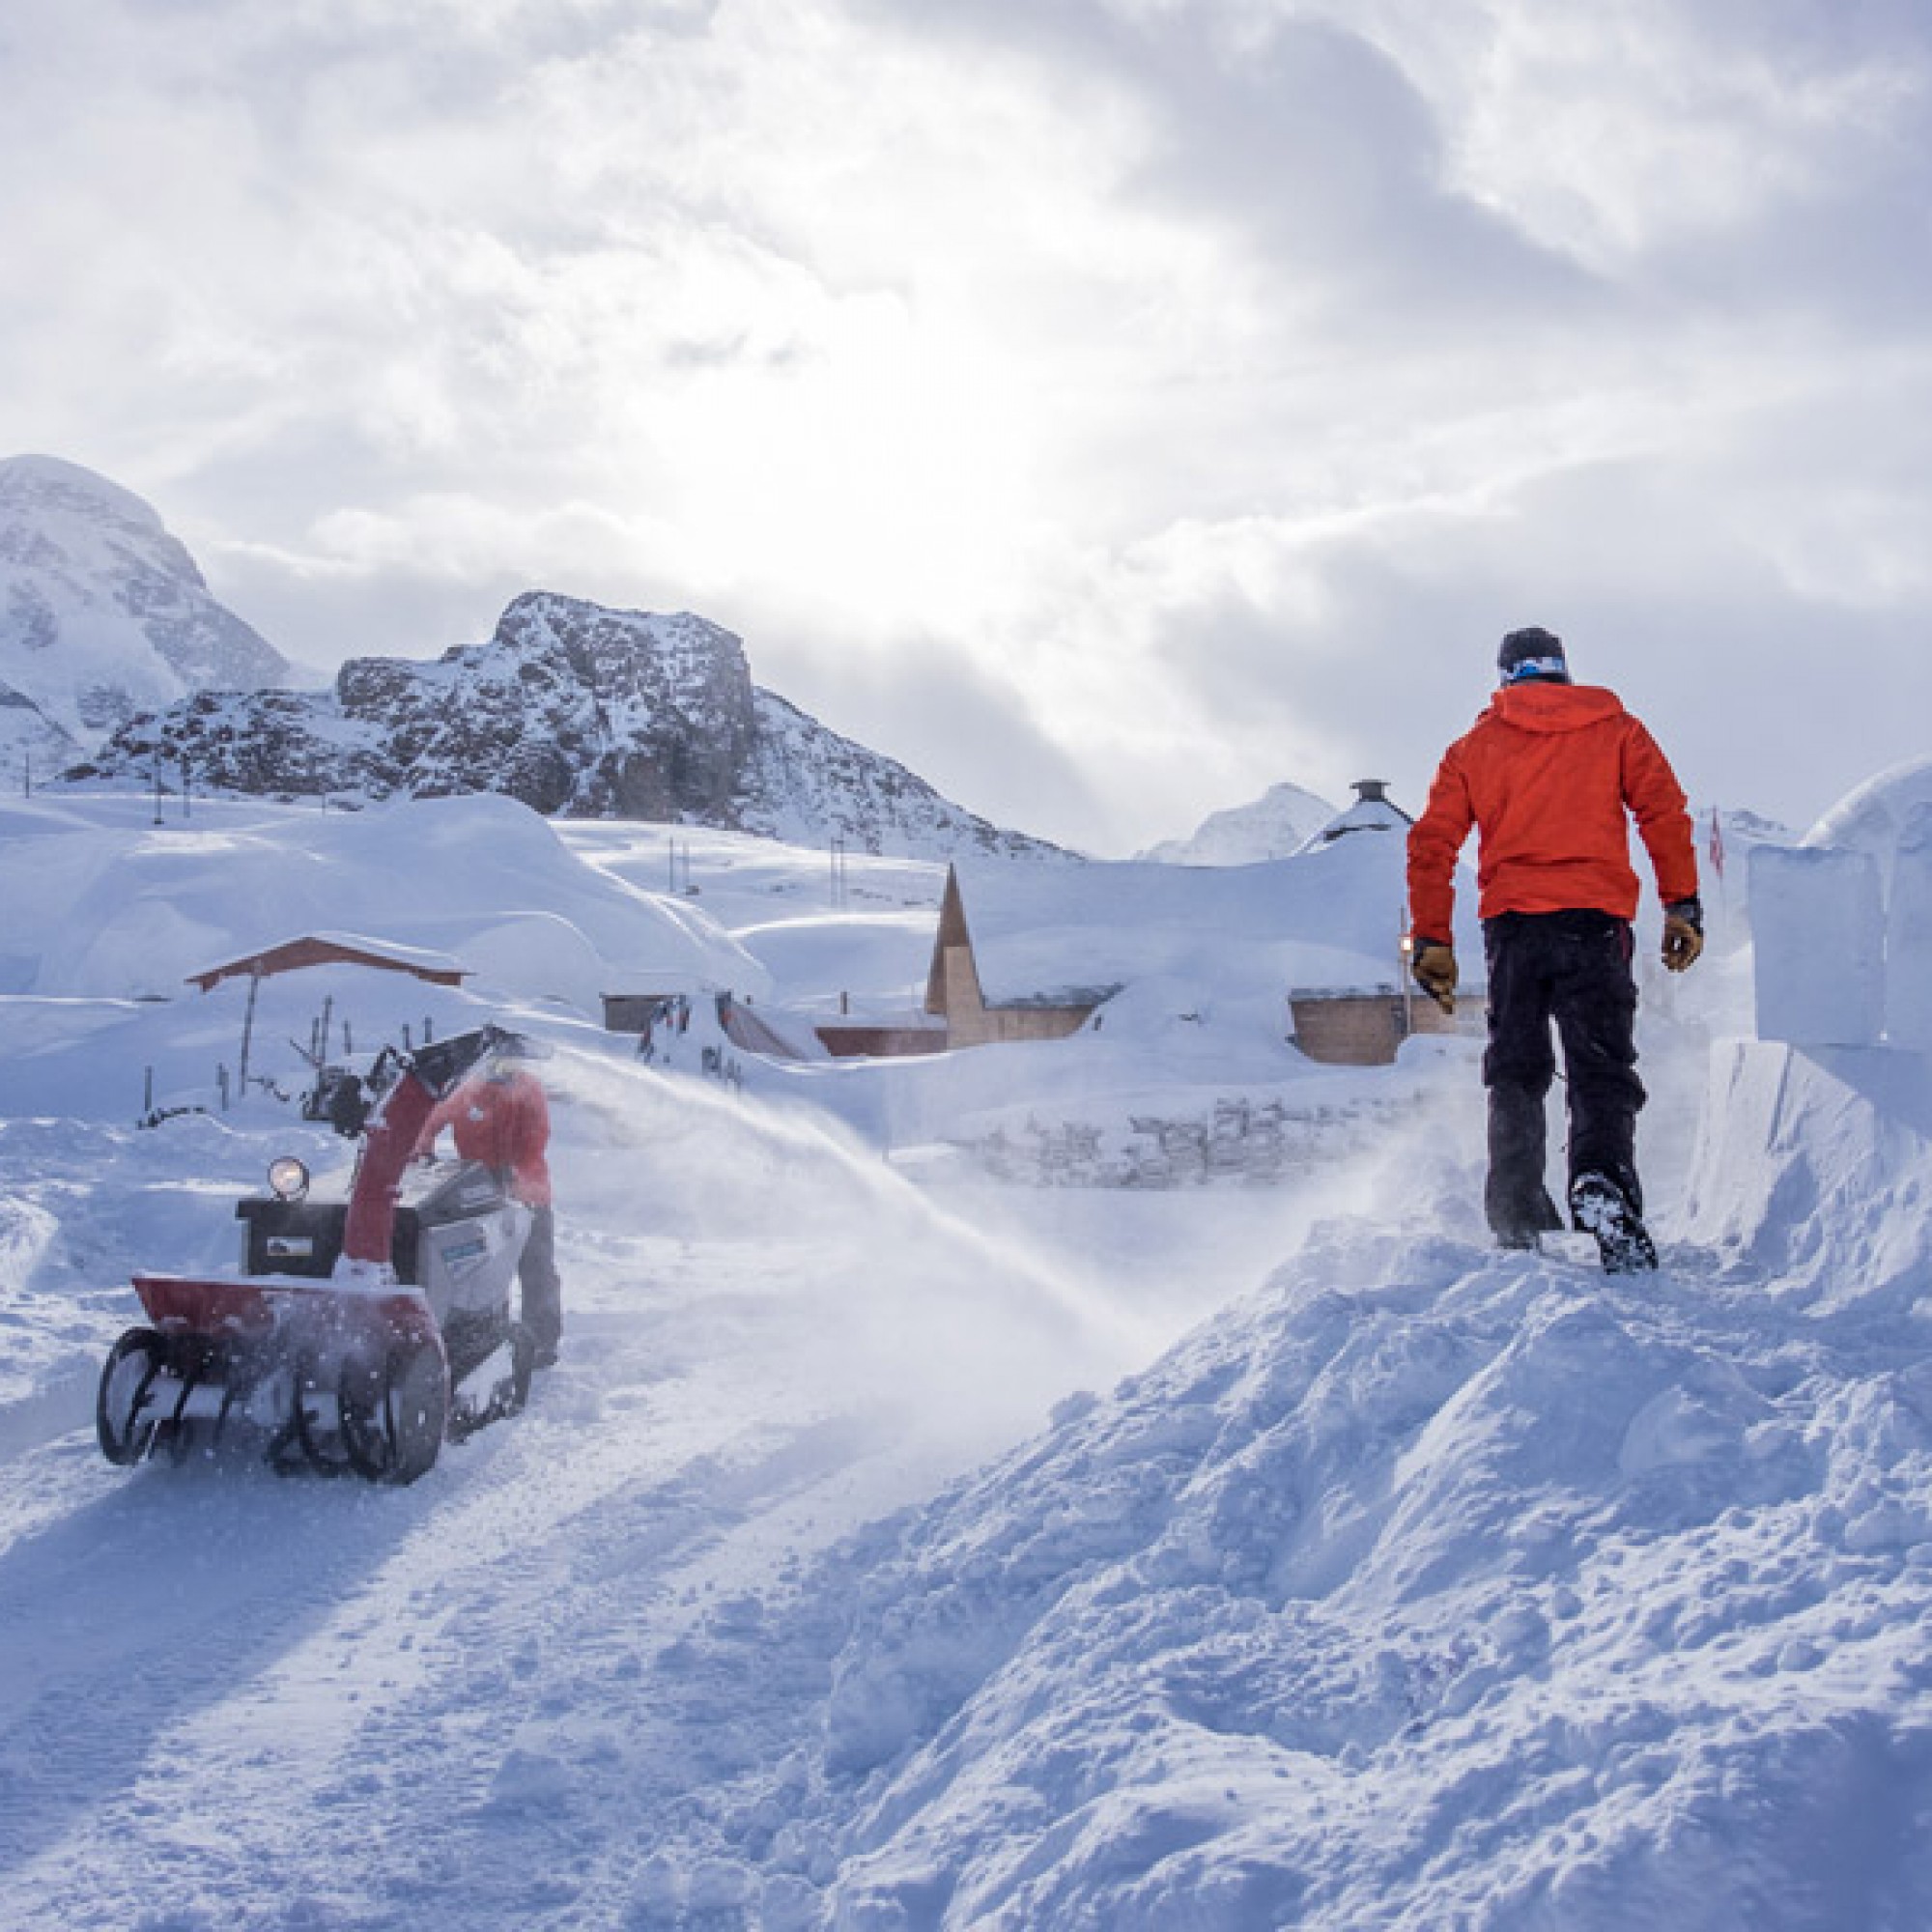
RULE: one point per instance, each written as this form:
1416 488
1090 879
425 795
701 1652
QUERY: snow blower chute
358 1334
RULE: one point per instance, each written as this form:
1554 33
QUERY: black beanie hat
1533 653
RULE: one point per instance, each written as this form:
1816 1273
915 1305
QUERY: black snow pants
1573 968
542 1292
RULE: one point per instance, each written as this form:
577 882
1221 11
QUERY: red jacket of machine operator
504 1123
1549 776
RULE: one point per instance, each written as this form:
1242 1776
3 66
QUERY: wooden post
248 1029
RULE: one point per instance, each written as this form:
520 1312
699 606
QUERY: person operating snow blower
501 1118
1550 777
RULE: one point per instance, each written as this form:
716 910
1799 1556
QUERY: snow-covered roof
1330 920
1371 811
310 948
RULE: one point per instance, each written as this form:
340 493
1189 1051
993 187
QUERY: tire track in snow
266 1666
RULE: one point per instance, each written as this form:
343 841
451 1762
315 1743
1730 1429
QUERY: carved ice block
1818 940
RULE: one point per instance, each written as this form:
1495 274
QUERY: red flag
1716 844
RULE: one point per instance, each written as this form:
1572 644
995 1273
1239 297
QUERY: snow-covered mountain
102 614
575 710
30 741
1274 826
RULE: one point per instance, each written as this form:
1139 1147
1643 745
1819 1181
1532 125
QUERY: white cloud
1195 384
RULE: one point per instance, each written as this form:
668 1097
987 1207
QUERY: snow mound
1814 1167
1428 1588
130 911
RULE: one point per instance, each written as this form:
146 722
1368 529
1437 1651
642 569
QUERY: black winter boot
1599 1207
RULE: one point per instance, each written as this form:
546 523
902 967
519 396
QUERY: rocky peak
627 653
570 707
573 709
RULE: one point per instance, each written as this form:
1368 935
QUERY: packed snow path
238 1699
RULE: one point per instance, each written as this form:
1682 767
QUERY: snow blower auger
359 1333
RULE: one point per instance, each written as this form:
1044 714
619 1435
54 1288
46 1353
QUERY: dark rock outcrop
575 710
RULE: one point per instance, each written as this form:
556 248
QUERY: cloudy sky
1108 406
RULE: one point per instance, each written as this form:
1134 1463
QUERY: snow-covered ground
895 1545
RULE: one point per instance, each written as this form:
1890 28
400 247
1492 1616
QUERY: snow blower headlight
288 1178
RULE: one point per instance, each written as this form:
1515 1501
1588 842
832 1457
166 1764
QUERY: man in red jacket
1550 776
502 1120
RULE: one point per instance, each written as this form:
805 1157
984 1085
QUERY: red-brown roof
328 948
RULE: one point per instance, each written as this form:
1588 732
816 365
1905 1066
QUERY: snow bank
1814 1167
1430 1589
855 966
123 909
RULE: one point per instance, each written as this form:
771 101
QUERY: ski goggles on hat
1536 667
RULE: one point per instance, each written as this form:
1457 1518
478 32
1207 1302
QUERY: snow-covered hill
572 709
1425 1589
1274 826
102 614
123 910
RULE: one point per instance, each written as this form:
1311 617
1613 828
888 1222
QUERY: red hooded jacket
504 1123
1546 778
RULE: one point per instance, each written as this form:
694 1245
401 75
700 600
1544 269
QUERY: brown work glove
1682 934
1434 965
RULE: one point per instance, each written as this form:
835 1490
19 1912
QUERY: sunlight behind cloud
873 455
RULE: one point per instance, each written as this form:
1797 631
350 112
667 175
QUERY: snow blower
360 1334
